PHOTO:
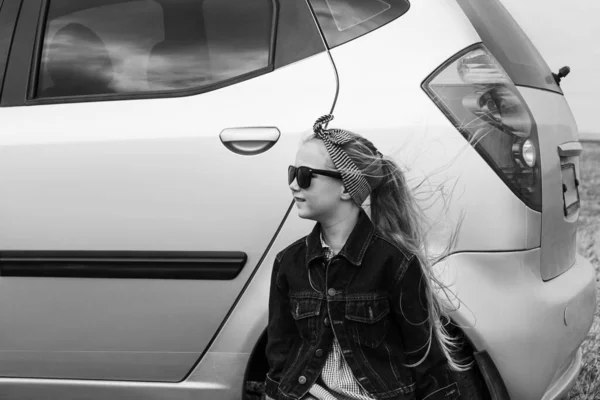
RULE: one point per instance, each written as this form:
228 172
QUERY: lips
298 199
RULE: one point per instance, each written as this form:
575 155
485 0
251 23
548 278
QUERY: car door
143 158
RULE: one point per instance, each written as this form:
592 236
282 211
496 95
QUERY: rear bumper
577 318
565 382
531 329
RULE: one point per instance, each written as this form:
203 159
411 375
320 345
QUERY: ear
344 195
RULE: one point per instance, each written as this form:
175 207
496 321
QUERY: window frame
28 56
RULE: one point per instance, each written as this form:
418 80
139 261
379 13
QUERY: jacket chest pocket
306 313
368 320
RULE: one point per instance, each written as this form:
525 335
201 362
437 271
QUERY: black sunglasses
304 174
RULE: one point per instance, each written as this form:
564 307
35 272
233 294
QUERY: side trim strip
218 265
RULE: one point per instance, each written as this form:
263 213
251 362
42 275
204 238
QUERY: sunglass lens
304 176
291 174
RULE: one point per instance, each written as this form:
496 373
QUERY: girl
352 314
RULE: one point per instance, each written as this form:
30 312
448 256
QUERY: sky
568 33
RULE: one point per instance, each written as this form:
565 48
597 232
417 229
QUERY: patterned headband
354 181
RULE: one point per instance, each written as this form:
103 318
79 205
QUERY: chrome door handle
570 149
250 141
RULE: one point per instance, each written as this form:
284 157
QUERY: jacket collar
355 247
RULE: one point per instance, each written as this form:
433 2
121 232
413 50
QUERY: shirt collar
327 251
353 250
323 243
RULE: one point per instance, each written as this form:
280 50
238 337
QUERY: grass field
588 243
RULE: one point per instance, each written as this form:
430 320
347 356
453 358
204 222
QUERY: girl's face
322 199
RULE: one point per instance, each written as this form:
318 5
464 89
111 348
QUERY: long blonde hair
397 216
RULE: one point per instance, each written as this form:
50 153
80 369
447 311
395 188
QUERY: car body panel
556 126
554 121
220 373
141 175
403 121
517 307
566 378
402 101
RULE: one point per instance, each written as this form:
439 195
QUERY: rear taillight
480 99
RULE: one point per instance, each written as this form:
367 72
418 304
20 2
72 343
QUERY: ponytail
398 218
392 211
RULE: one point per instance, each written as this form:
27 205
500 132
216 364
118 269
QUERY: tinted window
297 33
344 20
8 19
104 46
509 44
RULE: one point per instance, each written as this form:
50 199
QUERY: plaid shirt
337 381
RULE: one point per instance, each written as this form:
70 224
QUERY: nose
294 186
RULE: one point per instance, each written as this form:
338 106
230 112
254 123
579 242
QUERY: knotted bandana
354 181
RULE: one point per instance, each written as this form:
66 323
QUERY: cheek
323 197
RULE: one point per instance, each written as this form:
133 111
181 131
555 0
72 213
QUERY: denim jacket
371 298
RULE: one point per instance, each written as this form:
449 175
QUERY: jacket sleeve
281 331
433 379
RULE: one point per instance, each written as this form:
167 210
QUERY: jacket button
302 380
331 292
326 322
319 353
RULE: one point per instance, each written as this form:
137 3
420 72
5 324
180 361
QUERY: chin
306 214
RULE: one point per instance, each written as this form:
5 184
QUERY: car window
297 33
93 47
344 20
8 18
508 43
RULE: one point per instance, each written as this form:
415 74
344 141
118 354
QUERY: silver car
143 154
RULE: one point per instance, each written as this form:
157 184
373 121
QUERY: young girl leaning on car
352 313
